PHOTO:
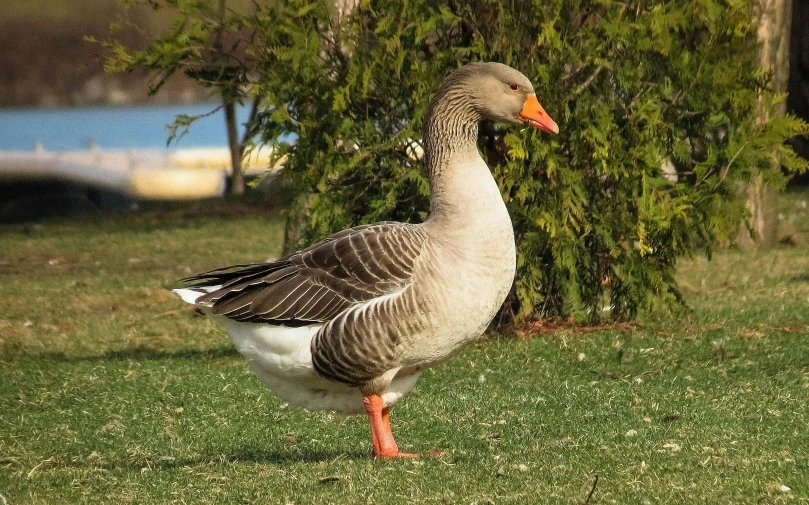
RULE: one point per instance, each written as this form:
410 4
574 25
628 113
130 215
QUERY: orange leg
386 418
381 434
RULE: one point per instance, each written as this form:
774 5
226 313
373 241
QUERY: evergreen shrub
633 86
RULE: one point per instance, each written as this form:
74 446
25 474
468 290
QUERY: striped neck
450 133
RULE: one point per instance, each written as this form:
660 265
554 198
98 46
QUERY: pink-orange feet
386 423
381 434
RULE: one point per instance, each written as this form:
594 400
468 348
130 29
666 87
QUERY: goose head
501 93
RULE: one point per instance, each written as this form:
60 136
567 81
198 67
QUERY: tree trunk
235 145
297 219
301 209
774 19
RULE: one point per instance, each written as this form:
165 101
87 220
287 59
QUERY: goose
349 324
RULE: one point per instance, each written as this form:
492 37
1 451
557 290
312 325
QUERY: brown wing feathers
316 284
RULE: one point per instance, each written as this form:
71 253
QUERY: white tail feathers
190 295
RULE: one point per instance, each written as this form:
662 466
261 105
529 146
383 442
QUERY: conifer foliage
656 103
635 87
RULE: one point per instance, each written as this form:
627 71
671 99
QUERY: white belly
281 358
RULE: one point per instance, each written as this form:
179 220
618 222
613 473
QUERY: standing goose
349 323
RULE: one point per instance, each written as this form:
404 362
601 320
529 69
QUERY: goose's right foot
381 434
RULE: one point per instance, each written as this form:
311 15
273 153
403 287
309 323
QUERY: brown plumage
349 323
317 283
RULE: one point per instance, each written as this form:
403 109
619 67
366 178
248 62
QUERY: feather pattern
366 310
317 283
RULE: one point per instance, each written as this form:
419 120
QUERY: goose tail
191 295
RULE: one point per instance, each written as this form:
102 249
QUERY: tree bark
235 145
297 219
301 209
774 19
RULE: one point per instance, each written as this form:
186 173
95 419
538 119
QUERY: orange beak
533 114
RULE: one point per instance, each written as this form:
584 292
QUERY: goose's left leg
381 434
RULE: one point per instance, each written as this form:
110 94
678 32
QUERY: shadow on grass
137 353
797 279
246 455
155 216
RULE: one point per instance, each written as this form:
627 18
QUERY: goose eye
514 87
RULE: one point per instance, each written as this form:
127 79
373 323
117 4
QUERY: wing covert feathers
316 284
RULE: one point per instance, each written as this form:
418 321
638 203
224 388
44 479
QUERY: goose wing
316 284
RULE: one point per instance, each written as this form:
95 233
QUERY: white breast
472 264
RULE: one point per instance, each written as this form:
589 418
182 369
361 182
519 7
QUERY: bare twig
644 89
675 100
702 179
725 169
250 126
589 81
592 490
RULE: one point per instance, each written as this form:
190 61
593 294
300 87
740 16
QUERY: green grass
112 391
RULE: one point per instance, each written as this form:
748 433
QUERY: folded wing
315 284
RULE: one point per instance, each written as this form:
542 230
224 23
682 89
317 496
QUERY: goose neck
450 134
464 195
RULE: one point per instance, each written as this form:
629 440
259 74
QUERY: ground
113 391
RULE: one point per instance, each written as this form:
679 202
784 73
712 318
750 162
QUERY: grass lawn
112 391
